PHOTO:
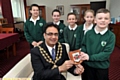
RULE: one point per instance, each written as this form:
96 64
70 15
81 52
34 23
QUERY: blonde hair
89 10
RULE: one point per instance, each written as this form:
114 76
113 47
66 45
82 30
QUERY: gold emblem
48 58
54 66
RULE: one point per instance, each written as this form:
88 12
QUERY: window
16 8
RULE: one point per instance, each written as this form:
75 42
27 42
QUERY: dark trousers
94 73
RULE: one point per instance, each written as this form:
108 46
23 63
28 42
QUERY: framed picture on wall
61 9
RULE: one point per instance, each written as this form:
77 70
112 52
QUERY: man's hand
79 69
84 56
66 65
34 43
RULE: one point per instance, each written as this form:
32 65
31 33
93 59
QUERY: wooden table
7 40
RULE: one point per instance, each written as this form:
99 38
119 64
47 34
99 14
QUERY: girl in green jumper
33 27
88 25
56 20
71 32
97 47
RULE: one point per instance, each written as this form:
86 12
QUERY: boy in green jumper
56 20
33 28
97 46
71 32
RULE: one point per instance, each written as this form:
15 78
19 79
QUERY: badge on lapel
103 43
41 24
75 35
61 30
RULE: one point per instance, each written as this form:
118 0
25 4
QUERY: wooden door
83 9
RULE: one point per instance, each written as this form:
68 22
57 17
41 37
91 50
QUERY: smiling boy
97 47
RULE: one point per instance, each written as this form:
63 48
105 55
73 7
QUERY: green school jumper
61 30
72 38
98 47
82 33
34 32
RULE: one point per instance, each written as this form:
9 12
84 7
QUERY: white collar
102 32
89 28
31 19
57 23
34 21
73 27
50 48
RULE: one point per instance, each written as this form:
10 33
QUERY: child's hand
79 69
34 43
84 56
39 43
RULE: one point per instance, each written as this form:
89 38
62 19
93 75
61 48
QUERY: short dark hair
31 8
71 13
35 6
102 10
50 24
56 10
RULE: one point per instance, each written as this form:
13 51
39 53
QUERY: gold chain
47 57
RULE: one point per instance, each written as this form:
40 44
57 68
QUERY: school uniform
83 31
99 46
61 30
72 37
33 29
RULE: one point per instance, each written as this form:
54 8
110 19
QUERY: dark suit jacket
42 69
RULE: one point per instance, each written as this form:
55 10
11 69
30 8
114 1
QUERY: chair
3 21
7 30
23 69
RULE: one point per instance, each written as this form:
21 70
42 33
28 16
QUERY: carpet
23 49
114 70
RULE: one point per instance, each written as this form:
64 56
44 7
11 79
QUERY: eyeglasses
51 34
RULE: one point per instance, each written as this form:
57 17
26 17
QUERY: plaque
75 56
